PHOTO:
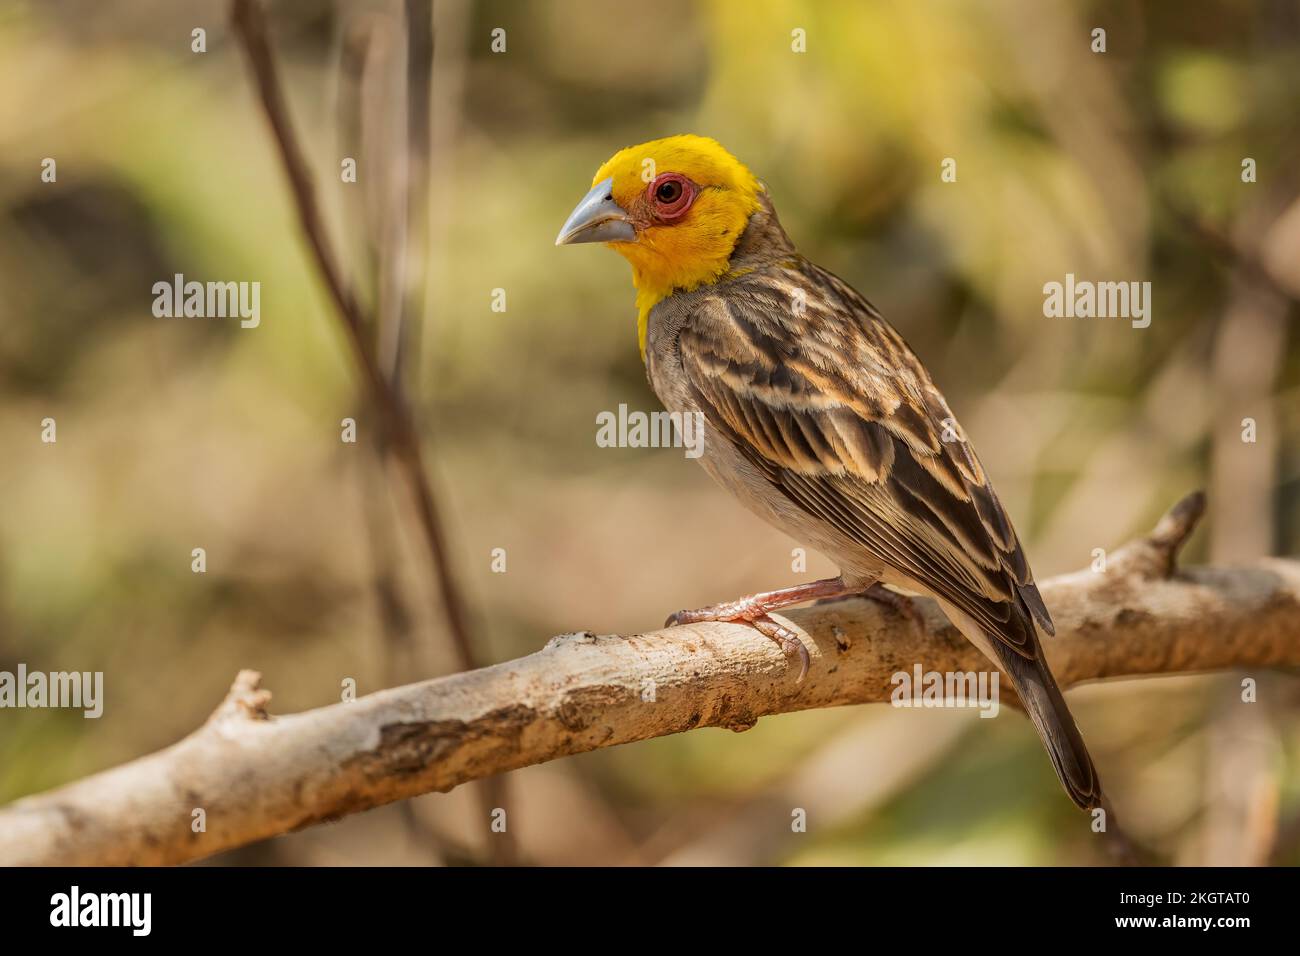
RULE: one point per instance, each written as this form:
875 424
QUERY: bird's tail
1046 708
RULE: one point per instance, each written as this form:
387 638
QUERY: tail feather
1051 717
1020 657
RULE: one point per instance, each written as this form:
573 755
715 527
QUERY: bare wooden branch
256 776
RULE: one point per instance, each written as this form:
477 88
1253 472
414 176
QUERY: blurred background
177 434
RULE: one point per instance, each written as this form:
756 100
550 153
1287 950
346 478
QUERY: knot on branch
573 637
1156 555
246 700
1172 531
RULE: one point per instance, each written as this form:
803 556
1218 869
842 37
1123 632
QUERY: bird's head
673 207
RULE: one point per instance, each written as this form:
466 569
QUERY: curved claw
787 640
804 662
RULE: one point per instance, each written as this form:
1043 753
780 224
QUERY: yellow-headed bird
820 418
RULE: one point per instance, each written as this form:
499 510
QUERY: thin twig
419 95
398 434
1228 250
399 427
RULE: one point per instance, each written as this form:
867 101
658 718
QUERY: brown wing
840 415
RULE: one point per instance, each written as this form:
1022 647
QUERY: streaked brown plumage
823 421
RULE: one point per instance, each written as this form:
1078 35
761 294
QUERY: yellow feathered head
672 207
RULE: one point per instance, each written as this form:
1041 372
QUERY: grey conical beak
597 219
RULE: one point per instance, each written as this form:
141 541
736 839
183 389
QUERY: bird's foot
755 611
756 617
901 603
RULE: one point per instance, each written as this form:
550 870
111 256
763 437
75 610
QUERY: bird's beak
597 219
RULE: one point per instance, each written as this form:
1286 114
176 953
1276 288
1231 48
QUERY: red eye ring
670 195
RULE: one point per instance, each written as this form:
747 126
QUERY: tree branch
255 776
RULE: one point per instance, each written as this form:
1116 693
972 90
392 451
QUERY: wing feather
869 447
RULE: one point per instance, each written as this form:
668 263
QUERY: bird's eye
671 194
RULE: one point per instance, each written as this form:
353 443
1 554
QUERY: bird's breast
732 469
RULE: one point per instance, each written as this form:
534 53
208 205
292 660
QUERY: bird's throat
657 278
646 299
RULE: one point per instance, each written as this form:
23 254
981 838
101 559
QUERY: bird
819 417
